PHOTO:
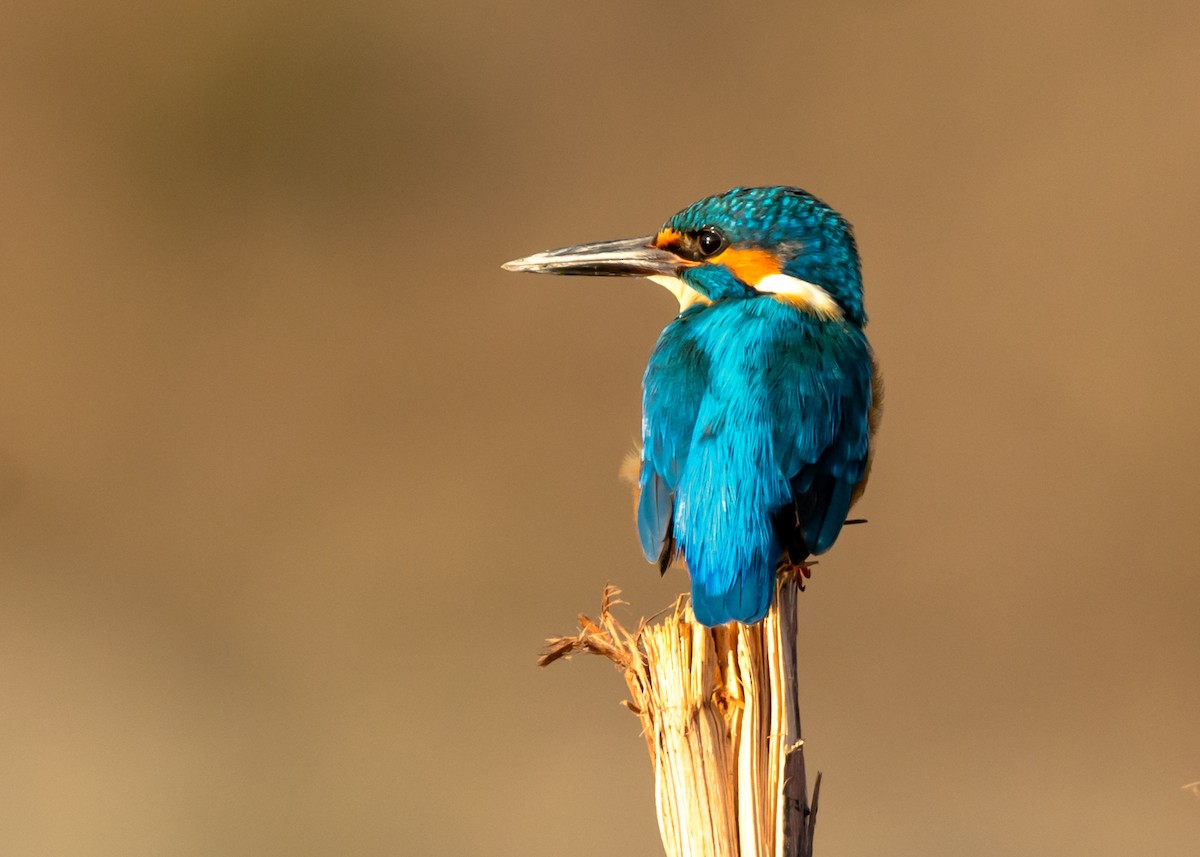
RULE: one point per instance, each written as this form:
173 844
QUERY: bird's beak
627 257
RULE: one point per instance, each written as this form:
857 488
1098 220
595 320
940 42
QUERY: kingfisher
761 397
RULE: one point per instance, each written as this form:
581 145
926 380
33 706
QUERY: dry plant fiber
720 714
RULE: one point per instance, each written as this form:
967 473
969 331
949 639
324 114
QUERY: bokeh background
294 479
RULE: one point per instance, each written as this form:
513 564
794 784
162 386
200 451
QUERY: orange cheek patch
749 264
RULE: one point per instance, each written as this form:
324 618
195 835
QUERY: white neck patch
801 294
685 294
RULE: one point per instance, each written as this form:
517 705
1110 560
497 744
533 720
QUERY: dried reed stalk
721 717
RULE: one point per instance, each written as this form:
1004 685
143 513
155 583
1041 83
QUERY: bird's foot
798 571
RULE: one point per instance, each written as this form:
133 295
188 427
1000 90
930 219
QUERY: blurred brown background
294 480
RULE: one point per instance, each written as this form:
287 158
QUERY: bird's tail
733 591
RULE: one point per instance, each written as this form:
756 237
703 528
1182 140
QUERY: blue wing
673 388
821 394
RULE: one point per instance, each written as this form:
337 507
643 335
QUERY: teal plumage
768 431
759 399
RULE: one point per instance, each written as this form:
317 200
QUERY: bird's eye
709 241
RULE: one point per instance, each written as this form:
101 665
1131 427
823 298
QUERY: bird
760 399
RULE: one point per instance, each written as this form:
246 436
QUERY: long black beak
628 257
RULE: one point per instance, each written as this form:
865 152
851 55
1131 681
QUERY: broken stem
720 713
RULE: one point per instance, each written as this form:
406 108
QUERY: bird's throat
685 294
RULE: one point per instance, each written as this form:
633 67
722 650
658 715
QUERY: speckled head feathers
803 236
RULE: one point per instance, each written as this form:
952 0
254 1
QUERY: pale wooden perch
720 712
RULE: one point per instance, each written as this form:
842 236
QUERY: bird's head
773 242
